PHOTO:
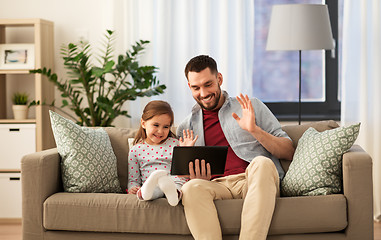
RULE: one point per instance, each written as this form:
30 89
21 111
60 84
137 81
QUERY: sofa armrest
40 178
358 190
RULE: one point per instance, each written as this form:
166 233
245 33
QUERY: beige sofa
50 213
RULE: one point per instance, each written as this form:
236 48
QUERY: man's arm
279 147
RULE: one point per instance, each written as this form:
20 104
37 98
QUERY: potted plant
96 93
20 107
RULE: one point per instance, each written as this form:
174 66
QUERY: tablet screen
215 155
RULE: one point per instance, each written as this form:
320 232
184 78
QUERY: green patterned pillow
88 161
317 165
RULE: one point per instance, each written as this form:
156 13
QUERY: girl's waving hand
189 139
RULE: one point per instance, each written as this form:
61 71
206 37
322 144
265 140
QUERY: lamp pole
300 86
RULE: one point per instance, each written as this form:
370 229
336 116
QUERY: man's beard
216 97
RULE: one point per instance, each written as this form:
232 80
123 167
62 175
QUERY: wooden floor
12 231
377 231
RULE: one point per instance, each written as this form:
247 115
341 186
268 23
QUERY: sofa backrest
295 132
119 141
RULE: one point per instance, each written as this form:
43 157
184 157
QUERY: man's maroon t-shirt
214 136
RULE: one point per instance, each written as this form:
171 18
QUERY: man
256 143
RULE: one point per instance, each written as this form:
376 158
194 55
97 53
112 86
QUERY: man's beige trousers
258 186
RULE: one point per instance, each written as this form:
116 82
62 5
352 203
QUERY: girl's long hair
152 109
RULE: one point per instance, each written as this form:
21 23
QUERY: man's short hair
199 63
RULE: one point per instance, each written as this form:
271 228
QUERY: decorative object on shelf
104 88
20 105
300 27
16 56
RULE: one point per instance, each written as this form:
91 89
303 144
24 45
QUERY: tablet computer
215 155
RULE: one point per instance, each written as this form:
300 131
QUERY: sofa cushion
295 132
110 212
316 168
124 213
88 161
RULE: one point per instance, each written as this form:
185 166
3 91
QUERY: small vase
20 112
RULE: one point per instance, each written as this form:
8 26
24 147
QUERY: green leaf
97 71
108 66
75 81
65 103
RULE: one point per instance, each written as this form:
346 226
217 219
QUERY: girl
151 156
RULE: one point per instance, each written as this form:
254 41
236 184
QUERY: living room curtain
361 80
181 29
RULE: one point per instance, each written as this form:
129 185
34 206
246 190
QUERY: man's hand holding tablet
200 170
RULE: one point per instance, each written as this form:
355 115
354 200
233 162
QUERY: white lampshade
299 27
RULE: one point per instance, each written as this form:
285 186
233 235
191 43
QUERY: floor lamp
299 27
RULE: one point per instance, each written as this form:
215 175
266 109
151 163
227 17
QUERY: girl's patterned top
144 158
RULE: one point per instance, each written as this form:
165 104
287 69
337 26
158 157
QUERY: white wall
72 19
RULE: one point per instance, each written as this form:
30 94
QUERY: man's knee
262 163
262 169
192 186
192 190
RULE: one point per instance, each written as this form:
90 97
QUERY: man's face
205 88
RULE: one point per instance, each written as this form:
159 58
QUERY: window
276 73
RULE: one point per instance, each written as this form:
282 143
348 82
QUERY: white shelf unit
10 187
16 140
21 137
41 33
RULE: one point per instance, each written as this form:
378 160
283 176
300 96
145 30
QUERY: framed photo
16 56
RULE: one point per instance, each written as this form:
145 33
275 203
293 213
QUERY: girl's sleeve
134 178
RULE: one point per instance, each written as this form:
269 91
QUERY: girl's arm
189 139
134 177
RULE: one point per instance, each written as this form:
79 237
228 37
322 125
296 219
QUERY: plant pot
20 112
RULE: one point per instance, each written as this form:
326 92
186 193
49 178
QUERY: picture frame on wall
16 56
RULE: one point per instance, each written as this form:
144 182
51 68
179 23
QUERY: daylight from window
276 73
